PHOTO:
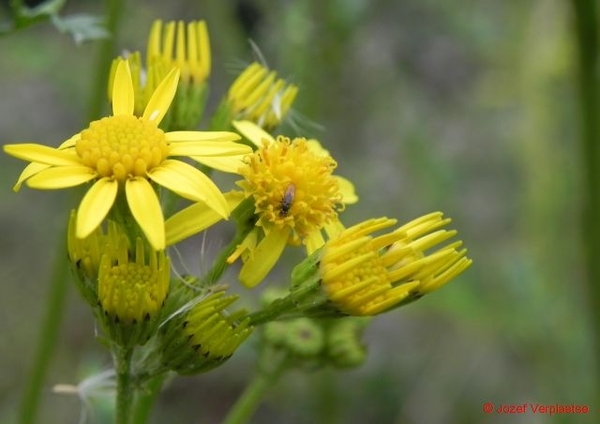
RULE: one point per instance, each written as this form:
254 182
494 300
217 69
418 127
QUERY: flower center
292 186
122 147
131 291
356 274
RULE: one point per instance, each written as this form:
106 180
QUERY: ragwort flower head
132 287
364 274
202 334
172 44
257 95
126 154
186 46
295 195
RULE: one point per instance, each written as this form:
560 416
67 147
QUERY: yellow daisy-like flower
172 44
259 96
186 46
362 274
295 195
125 153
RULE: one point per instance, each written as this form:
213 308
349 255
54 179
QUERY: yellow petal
181 178
209 148
122 91
196 218
347 189
334 228
180 136
316 148
252 132
190 183
70 142
61 177
153 48
161 99
204 44
264 257
314 241
145 208
95 206
225 164
29 171
42 154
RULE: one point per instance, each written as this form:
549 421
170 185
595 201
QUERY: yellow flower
125 154
259 96
295 196
362 274
173 44
133 284
186 47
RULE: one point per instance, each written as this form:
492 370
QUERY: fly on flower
287 200
307 207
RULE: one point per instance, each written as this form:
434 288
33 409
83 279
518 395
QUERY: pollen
292 187
122 147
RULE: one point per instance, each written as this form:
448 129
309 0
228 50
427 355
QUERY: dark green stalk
48 336
586 32
125 390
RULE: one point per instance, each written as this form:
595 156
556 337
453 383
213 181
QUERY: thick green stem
125 390
586 31
48 336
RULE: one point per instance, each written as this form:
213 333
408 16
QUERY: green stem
244 217
125 393
220 264
48 336
146 400
250 399
273 311
586 31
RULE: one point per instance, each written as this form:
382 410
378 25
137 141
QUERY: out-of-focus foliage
82 27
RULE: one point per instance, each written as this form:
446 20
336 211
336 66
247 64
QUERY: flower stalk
125 389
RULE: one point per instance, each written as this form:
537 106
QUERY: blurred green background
468 107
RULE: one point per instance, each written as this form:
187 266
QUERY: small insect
287 200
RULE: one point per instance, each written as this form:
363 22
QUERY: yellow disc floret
292 186
355 276
122 147
133 290
363 274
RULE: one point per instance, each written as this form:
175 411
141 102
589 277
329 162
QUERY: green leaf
82 27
